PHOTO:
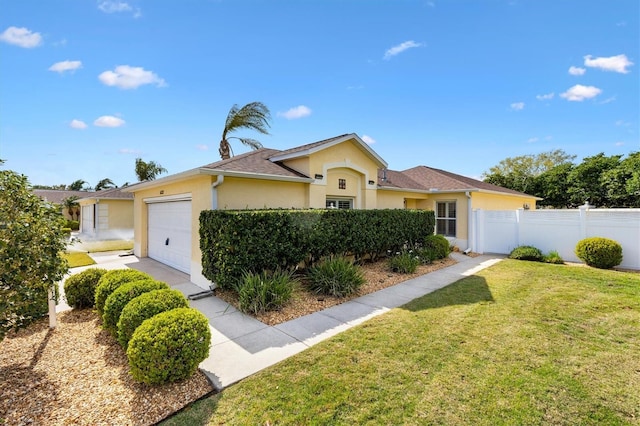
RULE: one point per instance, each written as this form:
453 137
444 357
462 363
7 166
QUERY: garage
169 233
86 217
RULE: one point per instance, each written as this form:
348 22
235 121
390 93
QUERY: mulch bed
78 374
304 302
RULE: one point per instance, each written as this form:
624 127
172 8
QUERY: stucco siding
482 200
237 193
346 154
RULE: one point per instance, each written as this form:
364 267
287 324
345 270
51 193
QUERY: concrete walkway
242 345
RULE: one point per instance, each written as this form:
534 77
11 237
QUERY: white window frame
339 203
447 220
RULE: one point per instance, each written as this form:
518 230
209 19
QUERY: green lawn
78 258
519 343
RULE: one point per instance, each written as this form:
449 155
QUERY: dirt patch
78 374
304 302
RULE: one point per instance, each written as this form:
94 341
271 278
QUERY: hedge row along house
341 172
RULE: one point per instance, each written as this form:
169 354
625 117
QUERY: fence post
583 219
519 213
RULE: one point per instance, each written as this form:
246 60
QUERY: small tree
105 183
31 240
77 185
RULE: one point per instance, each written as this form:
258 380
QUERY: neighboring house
341 172
57 197
107 214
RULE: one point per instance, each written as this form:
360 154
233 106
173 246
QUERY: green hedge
80 289
234 242
111 280
122 295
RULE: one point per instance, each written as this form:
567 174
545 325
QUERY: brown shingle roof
58 196
430 178
255 162
312 145
111 194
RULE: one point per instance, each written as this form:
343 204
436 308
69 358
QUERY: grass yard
106 245
518 343
78 258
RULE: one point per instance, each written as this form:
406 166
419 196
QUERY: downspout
214 192
470 238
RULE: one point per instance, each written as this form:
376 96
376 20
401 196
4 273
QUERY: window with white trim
446 218
339 203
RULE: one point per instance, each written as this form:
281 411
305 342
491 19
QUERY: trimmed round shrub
405 263
266 291
599 252
437 245
144 307
335 277
169 346
112 280
526 253
122 295
80 289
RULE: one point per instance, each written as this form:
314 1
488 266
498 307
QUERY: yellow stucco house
107 214
340 172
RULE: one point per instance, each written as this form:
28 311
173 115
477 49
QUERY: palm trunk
224 150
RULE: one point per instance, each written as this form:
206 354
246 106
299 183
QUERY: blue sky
88 86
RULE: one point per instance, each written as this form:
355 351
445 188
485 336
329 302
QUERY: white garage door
86 216
170 234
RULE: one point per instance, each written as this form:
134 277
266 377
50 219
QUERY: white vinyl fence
559 230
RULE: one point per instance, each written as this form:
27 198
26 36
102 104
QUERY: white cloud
201 147
22 37
608 100
548 138
108 121
127 77
579 93
577 70
545 97
619 143
400 48
296 112
110 6
517 106
77 124
368 139
622 123
65 66
617 63
532 140
129 151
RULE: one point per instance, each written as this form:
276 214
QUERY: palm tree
105 183
254 115
77 185
148 171
72 205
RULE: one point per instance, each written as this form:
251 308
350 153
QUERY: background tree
254 115
553 187
105 183
148 170
72 206
77 185
621 184
520 173
585 180
31 240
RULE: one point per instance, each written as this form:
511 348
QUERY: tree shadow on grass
467 291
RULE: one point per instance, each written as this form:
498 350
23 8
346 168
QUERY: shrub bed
526 253
599 252
336 277
265 291
144 307
112 280
405 262
169 346
80 289
122 295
